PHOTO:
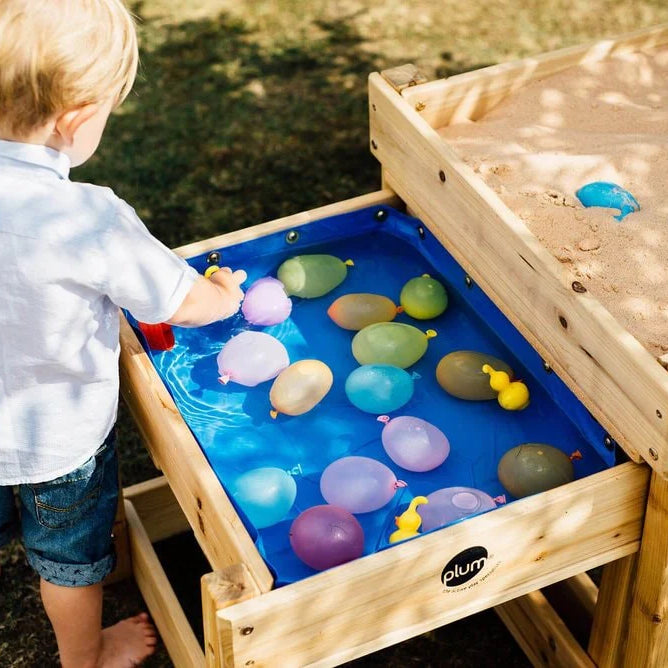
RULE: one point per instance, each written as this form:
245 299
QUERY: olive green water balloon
360 309
423 297
310 276
460 374
390 343
532 468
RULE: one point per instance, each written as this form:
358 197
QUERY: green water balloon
390 343
423 297
311 276
460 374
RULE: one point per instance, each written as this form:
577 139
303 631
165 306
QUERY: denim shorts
66 523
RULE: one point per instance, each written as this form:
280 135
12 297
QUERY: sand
604 121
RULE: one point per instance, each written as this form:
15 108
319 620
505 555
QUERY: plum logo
464 566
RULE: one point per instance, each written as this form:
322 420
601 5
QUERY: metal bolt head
547 367
609 442
421 232
247 630
420 106
468 281
292 236
380 215
653 454
441 175
213 257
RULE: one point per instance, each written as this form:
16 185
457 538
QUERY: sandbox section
601 121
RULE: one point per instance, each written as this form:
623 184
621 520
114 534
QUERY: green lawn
247 111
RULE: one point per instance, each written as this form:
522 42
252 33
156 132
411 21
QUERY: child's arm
211 299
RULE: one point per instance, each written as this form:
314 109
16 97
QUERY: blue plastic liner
233 426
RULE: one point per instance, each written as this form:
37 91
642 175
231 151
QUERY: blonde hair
57 55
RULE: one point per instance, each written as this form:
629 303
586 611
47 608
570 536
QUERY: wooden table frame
615 518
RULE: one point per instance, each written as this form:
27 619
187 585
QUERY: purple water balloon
358 484
326 536
414 444
450 504
250 358
266 303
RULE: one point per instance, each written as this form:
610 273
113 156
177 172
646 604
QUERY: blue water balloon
609 196
265 495
379 388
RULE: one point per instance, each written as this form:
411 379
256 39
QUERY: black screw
247 630
380 215
441 175
373 144
292 236
547 367
213 257
609 442
468 281
578 287
563 321
658 414
373 106
421 232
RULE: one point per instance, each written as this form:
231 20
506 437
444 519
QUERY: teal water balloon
379 388
265 495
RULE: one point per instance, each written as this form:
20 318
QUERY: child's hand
211 299
228 282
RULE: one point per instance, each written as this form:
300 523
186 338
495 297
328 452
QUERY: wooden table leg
607 641
647 645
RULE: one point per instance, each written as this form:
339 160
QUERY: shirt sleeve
143 275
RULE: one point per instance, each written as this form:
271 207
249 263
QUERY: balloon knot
499 499
211 270
415 375
400 483
400 309
274 414
349 262
431 333
224 379
575 456
383 418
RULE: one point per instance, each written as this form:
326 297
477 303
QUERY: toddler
71 254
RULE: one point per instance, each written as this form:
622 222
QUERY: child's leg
81 642
67 526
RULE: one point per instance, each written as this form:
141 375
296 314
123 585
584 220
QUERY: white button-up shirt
70 255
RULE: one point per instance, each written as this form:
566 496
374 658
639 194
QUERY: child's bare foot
128 643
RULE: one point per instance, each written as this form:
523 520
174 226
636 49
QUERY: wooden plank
398 593
541 633
119 532
470 95
596 357
166 611
403 76
610 624
157 506
574 600
379 197
215 523
219 591
647 644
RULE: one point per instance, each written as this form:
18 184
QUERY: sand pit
606 121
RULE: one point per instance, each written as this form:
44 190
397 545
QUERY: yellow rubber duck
409 521
513 396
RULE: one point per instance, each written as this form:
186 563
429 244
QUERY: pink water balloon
251 358
326 536
413 443
358 484
450 504
266 303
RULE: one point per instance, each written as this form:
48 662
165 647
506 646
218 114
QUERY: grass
244 112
